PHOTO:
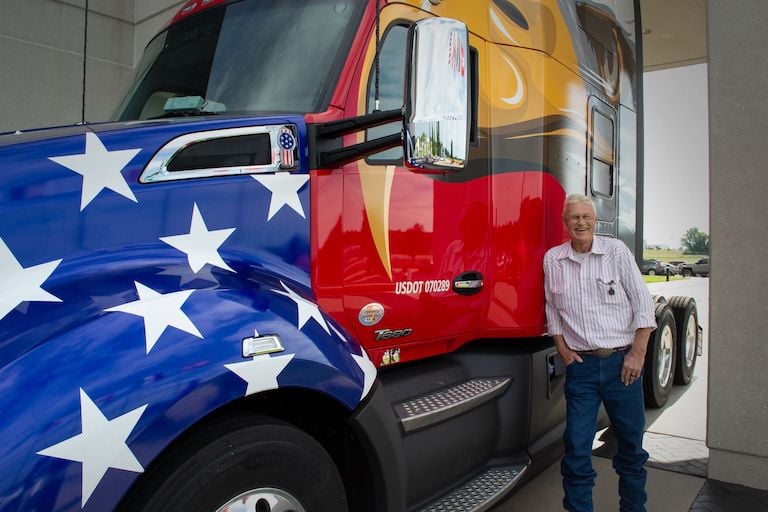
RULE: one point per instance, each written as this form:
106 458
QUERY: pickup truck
700 268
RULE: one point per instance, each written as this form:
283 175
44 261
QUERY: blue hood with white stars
124 306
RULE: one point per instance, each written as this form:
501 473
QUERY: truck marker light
258 345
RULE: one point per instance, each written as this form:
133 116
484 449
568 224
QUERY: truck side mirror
437 108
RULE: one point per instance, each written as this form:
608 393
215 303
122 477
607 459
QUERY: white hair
573 199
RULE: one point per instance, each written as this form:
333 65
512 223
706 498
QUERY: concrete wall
41 55
738 113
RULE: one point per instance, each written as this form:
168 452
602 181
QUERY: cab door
416 246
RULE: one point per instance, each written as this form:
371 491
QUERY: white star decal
338 333
160 311
100 169
305 308
285 191
369 372
200 245
22 284
100 446
261 372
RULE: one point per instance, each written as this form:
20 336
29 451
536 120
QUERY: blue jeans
586 385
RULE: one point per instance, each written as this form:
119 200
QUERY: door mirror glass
437 111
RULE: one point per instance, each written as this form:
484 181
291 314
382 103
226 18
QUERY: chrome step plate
480 493
423 411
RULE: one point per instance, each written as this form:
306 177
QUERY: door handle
468 283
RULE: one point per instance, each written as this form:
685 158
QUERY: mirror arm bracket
333 129
335 158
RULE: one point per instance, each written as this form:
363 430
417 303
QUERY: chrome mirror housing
437 108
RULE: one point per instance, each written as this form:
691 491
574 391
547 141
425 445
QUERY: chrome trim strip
157 168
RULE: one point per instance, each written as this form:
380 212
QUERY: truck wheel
687 272
687 322
660 358
255 462
651 272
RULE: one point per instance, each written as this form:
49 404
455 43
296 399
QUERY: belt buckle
603 352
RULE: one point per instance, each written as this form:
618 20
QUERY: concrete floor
684 416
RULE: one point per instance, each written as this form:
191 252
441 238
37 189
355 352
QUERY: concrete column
738 135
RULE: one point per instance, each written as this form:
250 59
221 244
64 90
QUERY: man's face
580 221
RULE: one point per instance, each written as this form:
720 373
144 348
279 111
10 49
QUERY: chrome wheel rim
690 341
276 500
664 358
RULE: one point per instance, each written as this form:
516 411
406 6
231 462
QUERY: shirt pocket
558 287
609 289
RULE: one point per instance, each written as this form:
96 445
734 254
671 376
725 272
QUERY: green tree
695 241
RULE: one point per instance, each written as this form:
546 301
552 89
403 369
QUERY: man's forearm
640 343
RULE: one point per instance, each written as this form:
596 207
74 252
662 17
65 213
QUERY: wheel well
324 419
319 416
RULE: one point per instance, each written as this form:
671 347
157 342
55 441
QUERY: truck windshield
247 56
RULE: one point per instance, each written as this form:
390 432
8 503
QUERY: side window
603 168
391 84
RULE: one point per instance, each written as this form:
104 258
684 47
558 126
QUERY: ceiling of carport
674 33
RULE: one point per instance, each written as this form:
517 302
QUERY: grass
658 279
671 255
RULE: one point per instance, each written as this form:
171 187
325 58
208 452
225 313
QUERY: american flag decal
456 57
287 143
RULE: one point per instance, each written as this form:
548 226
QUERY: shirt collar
598 247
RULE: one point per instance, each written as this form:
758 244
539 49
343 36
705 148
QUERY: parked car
656 267
700 268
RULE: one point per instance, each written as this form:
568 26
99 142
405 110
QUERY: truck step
423 411
481 493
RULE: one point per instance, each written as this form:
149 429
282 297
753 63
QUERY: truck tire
660 358
687 272
271 465
687 322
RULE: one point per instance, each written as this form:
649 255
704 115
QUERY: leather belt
603 352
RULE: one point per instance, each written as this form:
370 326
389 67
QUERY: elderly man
600 315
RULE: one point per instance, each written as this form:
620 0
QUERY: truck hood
80 233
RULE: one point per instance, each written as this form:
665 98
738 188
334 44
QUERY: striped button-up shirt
600 302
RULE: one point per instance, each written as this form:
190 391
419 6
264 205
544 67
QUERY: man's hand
633 367
568 356
634 360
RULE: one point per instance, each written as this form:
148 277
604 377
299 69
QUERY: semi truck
301 268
